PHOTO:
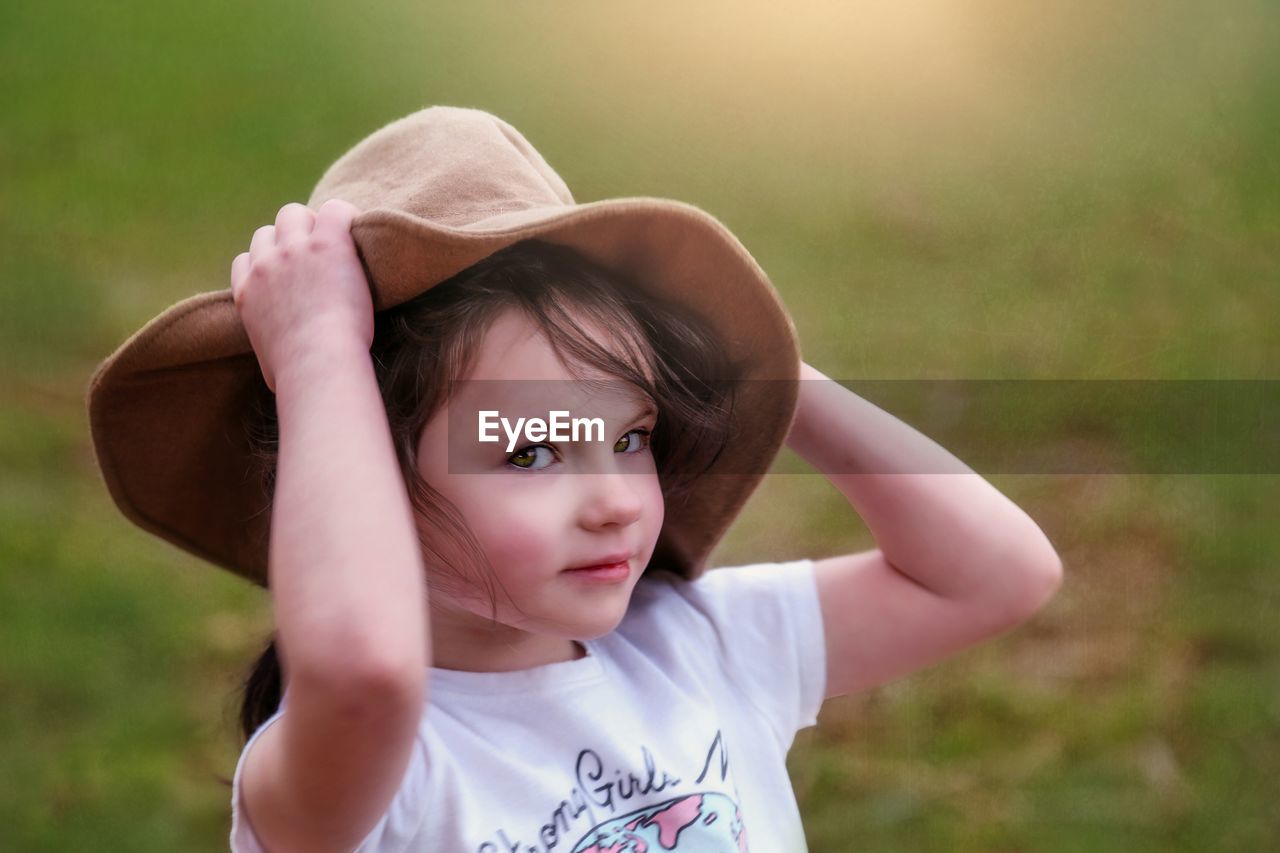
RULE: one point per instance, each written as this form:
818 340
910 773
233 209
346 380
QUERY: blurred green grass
987 190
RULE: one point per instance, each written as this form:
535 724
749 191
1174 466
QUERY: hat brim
166 408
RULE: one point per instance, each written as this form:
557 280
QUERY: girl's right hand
301 285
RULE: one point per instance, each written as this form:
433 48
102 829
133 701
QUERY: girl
511 646
956 563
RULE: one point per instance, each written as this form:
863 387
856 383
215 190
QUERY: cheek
655 507
514 532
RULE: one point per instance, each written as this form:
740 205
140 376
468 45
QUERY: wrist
799 424
319 357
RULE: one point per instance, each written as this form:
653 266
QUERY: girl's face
541 508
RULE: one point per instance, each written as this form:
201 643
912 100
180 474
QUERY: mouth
610 561
616 571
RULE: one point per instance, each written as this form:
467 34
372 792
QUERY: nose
610 498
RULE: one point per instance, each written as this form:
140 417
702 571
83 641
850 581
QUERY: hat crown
450 165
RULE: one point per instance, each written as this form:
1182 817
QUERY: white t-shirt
671 734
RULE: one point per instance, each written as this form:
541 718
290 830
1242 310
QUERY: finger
239 268
334 217
264 240
294 220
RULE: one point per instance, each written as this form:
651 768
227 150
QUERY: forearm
345 568
932 517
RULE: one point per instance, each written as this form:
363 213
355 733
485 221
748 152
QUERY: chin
599 628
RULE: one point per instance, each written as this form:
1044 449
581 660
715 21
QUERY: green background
993 190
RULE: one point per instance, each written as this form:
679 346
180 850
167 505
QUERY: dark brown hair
420 346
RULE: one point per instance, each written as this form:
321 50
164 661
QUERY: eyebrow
646 409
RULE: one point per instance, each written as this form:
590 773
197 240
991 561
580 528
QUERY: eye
527 457
625 445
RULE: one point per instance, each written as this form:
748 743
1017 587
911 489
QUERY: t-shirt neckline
551 676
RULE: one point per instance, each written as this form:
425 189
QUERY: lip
615 572
607 561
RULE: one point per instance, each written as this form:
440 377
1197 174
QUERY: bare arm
345 567
957 562
932 517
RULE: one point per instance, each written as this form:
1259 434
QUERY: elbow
1035 563
1039 575
366 681
394 681
1020 572
376 692
1023 572
1047 579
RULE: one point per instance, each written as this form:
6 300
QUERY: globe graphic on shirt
698 823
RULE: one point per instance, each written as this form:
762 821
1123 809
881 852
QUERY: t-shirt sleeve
768 629
394 830
243 837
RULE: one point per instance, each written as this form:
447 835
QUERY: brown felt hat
439 190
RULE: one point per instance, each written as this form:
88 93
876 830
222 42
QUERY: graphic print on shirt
704 820
706 823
